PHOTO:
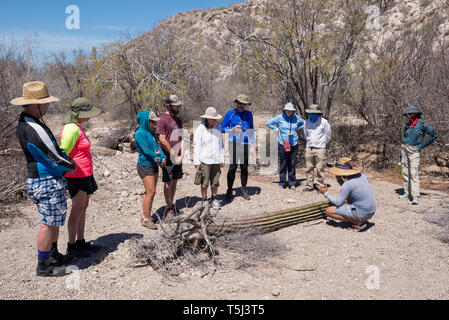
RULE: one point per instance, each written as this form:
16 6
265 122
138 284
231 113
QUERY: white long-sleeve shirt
317 133
208 147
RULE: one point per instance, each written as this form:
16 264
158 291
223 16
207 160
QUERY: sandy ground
400 257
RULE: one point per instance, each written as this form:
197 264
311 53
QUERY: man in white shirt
317 132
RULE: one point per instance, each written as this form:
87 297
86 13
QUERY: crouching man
356 190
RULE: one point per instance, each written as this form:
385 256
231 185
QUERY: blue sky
100 20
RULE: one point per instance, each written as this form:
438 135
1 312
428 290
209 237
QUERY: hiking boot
87 246
404 196
58 258
148 223
415 200
75 252
229 196
216 205
47 268
244 194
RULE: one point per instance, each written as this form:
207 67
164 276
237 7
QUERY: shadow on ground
109 244
347 225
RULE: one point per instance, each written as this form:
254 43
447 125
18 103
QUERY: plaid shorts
49 194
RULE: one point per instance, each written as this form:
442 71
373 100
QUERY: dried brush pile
184 243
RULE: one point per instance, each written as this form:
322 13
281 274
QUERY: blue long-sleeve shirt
359 192
244 119
150 153
288 127
415 136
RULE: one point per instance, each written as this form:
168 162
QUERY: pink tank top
82 156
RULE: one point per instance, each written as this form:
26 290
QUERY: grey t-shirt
359 192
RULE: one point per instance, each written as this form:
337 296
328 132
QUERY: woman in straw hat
46 164
287 125
356 190
209 155
81 183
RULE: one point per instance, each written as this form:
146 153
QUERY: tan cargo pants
315 159
410 170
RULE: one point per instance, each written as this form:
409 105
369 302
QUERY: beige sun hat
243 99
314 108
344 168
211 113
289 107
35 92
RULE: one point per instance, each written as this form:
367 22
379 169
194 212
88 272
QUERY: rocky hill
385 19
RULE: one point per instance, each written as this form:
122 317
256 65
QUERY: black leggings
239 153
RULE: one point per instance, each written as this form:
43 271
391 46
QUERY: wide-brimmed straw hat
35 92
243 99
211 113
289 107
314 108
81 108
344 168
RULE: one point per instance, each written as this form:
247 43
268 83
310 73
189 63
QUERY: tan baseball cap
174 100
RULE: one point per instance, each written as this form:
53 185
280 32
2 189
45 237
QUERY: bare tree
148 68
301 46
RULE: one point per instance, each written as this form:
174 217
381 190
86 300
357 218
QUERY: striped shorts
50 196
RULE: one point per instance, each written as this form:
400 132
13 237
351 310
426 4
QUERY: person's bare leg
150 183
173 186
167 194
46 237
204 193
78 204
214 191
82 220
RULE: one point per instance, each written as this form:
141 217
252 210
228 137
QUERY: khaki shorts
211 175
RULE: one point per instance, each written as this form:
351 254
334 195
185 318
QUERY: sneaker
229 196
87 246
148 223
404 196
307 190
244 194
415 200
204 203
292 188
282 186
216 205
47 268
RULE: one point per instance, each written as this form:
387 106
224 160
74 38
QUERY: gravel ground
402 256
